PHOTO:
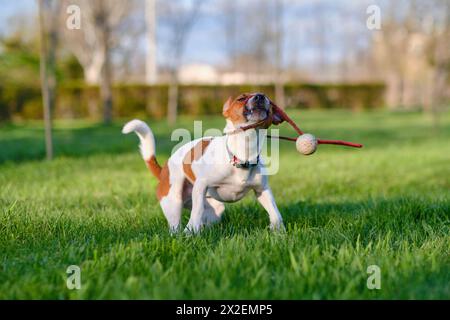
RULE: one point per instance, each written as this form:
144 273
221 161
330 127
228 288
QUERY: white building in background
198 73
229 78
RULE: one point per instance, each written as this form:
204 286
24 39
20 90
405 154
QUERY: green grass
344 209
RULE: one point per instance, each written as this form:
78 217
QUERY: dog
205 173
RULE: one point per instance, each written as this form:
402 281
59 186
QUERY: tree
48 11
92 44
254 43
412 50
230 12
394 43
278 34
438 57
178 19
320 36
150 61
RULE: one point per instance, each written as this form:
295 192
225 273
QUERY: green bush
18 100
78 100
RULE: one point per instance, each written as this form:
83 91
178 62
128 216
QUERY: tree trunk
150 60
279 85
105 77
279 93
93 69
106 92
47 75
172 106
438 89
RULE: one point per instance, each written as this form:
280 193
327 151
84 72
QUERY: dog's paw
174 230
278 227
192 229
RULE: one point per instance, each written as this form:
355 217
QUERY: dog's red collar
243 164
238 163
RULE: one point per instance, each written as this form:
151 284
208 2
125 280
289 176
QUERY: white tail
145 135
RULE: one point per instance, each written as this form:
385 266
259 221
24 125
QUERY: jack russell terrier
206 172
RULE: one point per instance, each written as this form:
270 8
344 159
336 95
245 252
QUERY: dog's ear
226 107
277 115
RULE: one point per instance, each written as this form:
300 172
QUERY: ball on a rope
306 144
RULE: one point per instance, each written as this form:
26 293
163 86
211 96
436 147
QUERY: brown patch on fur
277 116
162 174
194 154
154 166
164 182
234 109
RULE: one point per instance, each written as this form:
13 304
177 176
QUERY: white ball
306 144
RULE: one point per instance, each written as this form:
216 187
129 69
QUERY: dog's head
251 108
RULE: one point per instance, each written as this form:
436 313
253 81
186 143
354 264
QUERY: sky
206 41
11 8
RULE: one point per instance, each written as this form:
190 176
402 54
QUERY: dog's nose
259 97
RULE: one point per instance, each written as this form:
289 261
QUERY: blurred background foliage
78 100
298 56
20 92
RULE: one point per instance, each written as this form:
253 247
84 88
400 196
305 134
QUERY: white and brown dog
206 172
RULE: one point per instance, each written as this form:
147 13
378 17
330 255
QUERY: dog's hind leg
213 211
198 207
172 212
172 205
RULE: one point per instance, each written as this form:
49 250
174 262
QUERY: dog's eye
242 98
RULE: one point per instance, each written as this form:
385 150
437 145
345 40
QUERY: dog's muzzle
257 108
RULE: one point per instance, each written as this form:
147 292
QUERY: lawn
94 206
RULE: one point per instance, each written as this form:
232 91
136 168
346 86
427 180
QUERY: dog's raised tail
147 145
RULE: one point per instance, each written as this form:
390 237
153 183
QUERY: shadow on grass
394 221
366 220
25 144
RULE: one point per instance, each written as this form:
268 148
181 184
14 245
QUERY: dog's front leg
198 204
265 197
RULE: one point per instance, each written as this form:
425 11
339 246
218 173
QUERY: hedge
78 100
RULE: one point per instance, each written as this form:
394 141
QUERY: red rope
340 142
300 132
322 141
286 117
296 128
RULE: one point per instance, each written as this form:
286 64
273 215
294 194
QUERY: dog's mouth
257 108
256 114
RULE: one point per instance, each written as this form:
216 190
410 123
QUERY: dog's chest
236 185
